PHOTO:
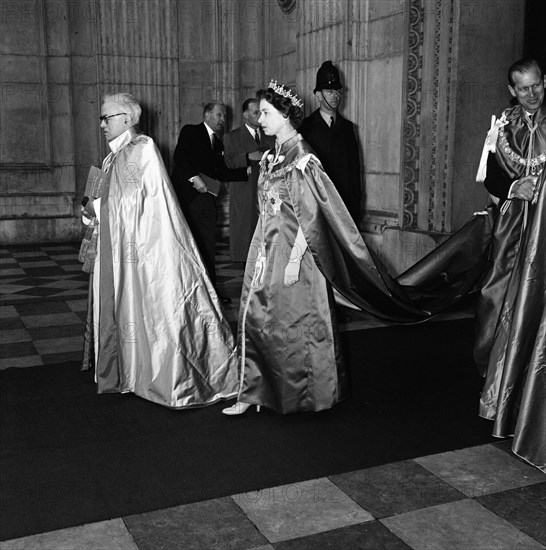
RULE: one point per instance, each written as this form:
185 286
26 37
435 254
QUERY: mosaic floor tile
40 291
29 254
57 332
60 345
210 525
68 256
11 323
21 362
12 289
363 536
55 319
481 470
11 298
42 263
67 284
44 271
73 293
460 525
106 535
10 272
14 335
17 349
41 308
300 509
396 488
77 305
7 311
525 508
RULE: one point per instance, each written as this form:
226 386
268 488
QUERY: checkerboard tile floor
477 498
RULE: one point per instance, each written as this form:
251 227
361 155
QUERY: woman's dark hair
284 105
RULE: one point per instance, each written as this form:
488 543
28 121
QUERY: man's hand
199 185
255 156
292 273
524 188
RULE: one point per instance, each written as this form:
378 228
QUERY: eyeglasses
106 118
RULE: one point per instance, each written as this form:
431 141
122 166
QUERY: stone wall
422 78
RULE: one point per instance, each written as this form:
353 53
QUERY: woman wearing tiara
289 357
305 243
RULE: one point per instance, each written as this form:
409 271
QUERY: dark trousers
201 217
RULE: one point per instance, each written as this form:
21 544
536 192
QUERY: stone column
37 165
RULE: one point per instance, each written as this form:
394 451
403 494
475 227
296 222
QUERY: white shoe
239 408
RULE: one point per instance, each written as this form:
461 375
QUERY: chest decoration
273 201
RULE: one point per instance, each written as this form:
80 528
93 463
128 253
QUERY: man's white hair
128 103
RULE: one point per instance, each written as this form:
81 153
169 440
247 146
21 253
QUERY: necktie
216 144
257 135
331 121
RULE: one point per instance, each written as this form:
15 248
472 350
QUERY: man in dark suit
245 145
199 155
333 139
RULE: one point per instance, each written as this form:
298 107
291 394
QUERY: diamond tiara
281 90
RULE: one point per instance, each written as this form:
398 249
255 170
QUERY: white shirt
209 131
326 117
252 131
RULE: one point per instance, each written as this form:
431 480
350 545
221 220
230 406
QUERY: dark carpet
69 456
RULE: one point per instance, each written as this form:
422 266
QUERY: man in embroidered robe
244 146
159 330
510 346
333 139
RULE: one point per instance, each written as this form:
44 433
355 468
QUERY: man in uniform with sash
510 346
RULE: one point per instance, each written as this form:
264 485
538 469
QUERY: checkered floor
43 302
476 498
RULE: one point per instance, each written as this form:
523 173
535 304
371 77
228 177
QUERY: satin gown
288 345
289 354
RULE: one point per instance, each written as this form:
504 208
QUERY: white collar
326 117
121 141
251 130
208 129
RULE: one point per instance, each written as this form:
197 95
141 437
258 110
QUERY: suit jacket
194 154
243 197
337 149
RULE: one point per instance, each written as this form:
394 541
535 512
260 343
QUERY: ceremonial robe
510 347
159 330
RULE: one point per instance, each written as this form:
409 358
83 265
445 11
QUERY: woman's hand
89 210
292 273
